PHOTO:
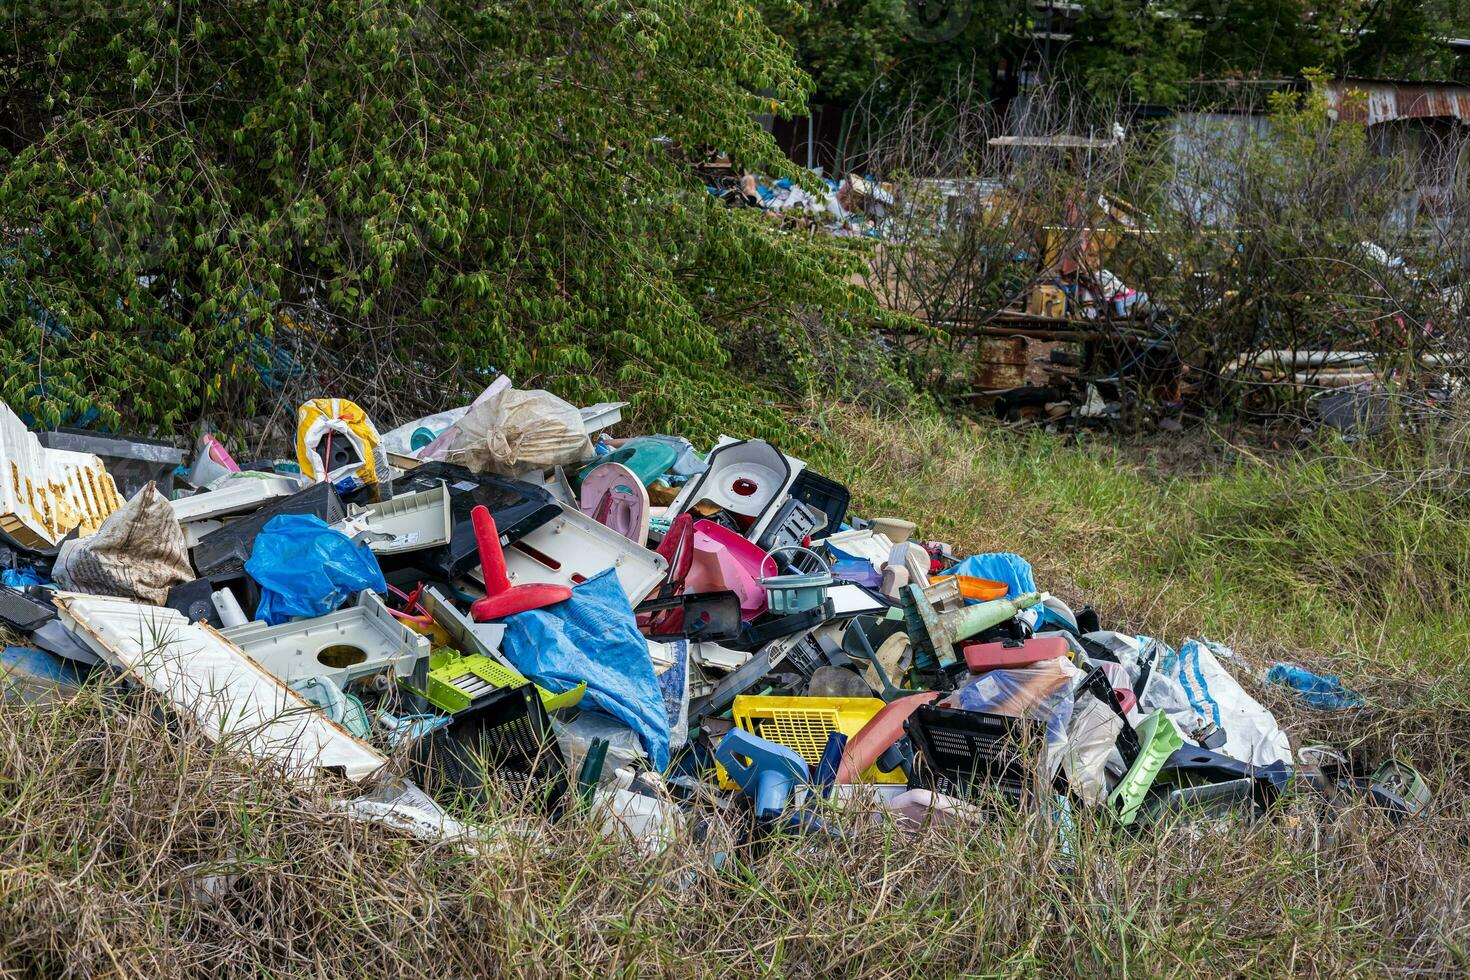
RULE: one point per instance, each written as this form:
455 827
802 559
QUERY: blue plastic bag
594 637
307 569
998 566
1323 691
19 578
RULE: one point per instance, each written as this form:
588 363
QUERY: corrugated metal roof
1374 102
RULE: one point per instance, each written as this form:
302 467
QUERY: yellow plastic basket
803 724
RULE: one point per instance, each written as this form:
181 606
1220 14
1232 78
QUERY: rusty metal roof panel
1374 102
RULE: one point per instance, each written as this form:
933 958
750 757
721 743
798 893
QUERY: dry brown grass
131 847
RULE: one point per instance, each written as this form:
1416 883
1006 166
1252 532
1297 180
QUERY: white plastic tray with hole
570 549
358 641
768 472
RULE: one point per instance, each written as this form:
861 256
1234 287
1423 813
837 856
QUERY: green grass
1322 558
110 823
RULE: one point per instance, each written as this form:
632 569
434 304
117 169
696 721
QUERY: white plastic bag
138 553
516 432
1193 688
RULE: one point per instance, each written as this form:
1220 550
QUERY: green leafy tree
401 193
892 50
1141 51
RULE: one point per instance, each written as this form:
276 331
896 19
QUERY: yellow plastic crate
803 724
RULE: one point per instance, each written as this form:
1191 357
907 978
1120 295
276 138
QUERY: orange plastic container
976 589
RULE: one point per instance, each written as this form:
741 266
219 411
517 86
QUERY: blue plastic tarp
19 578
999 566
594 637
307 569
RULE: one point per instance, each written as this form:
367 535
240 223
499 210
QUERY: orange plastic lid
979 589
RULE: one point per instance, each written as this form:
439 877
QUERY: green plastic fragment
456 680
1160 740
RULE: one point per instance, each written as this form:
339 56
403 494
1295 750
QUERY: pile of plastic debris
527 606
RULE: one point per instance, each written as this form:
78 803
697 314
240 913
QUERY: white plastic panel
415 520
570 549
237 495
44 493
205 676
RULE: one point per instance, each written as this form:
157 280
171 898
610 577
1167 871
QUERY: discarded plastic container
975 589
724 560
764 771
804 724
748 478
457 681
894 529
788 594
878 735
647 459
337 705
1160 740
501 598
827 496
612 495
647 820
1013 653
228 607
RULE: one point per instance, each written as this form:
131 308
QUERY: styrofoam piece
204 675
357 641
603 415
570 549
45 493
415 521
237 495
754 462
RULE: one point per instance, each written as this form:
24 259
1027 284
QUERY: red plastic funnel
501 598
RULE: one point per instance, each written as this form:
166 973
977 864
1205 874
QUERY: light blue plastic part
771 774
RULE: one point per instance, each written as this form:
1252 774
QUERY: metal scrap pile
529 608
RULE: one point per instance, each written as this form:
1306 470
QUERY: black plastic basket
502 741
969 753
827 496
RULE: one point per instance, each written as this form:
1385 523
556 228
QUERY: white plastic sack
516 432
1091 733
138 553
1193 688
